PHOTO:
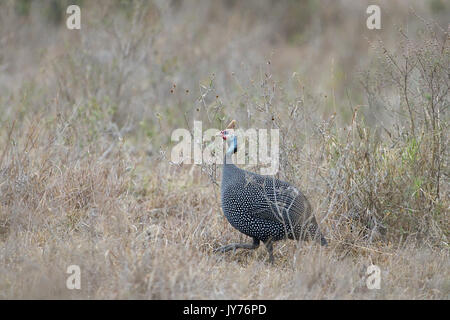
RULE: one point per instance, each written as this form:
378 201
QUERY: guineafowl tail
318 236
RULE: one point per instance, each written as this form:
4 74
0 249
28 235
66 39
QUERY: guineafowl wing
277 200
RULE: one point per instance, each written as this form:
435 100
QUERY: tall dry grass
85 173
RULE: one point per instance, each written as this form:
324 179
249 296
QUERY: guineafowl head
229 136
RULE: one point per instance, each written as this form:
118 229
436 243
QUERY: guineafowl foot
234 246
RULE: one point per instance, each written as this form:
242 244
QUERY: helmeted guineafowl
262 207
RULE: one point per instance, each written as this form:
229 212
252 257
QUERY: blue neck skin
231 150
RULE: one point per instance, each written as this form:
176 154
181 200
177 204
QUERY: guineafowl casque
263 207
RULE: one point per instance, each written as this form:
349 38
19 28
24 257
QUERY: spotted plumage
262 207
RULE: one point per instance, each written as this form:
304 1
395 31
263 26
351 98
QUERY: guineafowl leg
234 246
269 247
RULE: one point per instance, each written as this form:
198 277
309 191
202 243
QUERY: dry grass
85 177
155 242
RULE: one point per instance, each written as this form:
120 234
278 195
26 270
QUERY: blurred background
86 118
